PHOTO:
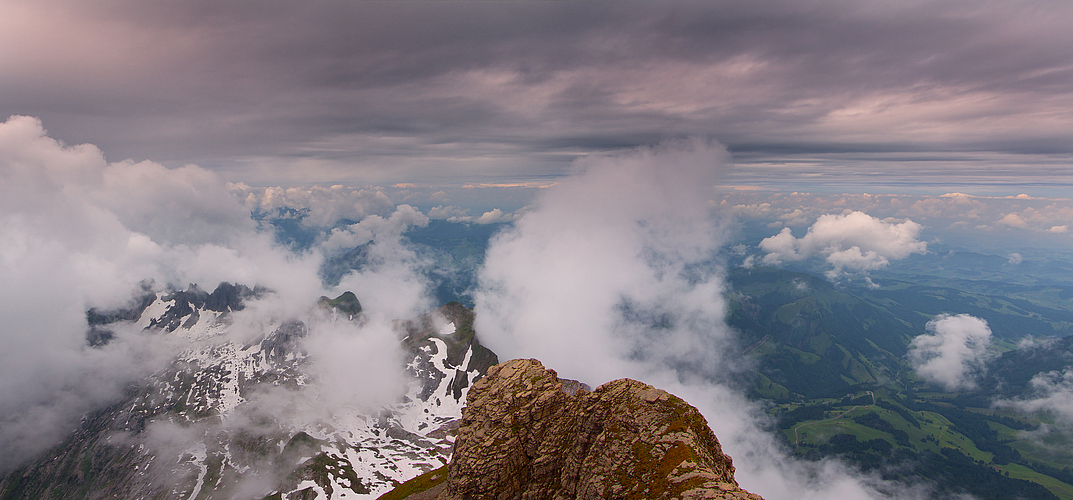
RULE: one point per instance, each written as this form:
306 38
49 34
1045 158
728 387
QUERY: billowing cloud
954 219
456 214
608 252
376 227
80 232
450 213
613 274
1012 220
493 216
854 241
953 352
321 206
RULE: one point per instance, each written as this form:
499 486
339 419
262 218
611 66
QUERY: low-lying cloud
80 232
614 274
853 241
321 206
1053 394
456 214
952 219
613 259
954 351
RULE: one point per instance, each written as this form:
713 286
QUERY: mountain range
205 427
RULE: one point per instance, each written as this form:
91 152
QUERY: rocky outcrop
524 436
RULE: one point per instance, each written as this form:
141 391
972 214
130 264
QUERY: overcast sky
913 96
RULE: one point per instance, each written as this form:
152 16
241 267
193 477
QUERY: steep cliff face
523 436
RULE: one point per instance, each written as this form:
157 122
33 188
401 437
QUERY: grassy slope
416 485
812 339
816 342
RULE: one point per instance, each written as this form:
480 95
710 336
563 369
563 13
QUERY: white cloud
611 275
79 232
456 214
752 210
795 218
449 213
964 220
1013 220
611 240
325 206
1054 395
954 351
854 241
493 216
1015 258
376 227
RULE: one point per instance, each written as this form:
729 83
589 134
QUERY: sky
912 97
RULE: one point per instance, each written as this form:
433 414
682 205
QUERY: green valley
831 361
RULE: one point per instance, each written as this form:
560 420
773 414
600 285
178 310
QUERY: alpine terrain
191 431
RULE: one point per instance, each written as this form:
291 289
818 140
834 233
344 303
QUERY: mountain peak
524 435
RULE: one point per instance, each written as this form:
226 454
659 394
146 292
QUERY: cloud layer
804 93
953 352
974 222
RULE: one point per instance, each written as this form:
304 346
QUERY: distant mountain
1011 373
169 438
1033 268
830 359
812 339
815 338
1012 312
452 254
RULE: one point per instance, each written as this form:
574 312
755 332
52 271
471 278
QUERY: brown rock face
523 437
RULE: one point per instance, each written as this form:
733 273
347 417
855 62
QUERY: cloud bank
805 93
613 258
854 241
954 351
80 232
320 206
614 274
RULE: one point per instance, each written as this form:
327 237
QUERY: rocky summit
526 434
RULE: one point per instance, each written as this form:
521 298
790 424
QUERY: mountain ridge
176 435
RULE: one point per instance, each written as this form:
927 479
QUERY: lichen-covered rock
523 436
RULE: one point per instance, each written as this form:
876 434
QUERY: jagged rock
190 303
463 350
99 333
347 303
524 436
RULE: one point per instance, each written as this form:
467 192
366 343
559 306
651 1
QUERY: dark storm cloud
351 91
